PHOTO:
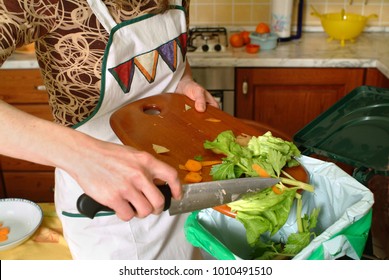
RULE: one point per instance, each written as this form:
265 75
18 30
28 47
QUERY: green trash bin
355 132
342 229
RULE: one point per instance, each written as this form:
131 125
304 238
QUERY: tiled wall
251 12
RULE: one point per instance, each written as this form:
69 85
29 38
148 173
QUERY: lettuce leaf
262 212
271 153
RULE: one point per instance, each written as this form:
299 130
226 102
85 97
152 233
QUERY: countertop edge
313 50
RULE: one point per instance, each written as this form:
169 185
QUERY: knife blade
196 196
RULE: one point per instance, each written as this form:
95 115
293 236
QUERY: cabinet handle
41 87
245 87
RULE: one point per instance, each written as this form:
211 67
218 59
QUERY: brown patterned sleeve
23 22
186 4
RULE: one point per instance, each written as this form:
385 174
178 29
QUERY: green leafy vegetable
265 212
271 153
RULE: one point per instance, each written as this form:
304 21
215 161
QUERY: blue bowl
267 41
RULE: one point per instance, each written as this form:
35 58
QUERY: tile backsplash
248 13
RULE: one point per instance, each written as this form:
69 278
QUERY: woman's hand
196 92
122 178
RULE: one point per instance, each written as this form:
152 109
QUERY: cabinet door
375 78
36 186
289 98
22 86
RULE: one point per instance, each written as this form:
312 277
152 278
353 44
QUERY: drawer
42 111
22 86
35 186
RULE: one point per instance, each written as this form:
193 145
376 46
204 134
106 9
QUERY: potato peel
160 149
213 120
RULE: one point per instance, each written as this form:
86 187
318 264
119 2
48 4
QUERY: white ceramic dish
23 217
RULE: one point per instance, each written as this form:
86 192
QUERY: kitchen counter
370 50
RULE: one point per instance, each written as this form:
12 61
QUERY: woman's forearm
114 175
27 137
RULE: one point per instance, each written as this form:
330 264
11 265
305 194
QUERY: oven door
220 82
225 98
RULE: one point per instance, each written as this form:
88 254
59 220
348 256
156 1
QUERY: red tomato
251 48
236 40
262 28
245 35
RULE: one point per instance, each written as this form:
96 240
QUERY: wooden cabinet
376 78
2 188
289 98
24 89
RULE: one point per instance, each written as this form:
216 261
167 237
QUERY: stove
219 81
207 39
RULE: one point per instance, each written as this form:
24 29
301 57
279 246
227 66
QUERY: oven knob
217 47
205 48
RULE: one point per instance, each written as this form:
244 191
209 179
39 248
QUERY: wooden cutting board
171 121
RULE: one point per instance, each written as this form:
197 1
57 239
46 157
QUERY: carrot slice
193 177
4 230
210 162
193 165
277 190
260 171
3 237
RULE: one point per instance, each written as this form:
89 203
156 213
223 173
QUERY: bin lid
355 130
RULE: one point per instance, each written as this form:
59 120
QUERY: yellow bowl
343 26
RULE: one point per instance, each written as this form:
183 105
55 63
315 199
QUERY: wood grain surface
170 120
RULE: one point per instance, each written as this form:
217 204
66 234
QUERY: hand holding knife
195 196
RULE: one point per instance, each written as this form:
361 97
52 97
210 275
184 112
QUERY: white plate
23 217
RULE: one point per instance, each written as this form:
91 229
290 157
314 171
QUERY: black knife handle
89 207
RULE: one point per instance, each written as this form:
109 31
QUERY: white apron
144 56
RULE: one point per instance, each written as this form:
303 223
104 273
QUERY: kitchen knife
196 196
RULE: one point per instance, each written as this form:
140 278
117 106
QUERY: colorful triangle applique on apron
182 43
123 74
147 64
168 52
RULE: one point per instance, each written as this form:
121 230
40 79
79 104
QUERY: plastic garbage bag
342 230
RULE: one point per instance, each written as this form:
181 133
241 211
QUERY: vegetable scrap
4 231
160 149
193 177
213 120
264 213
187 107
271 153
260 171
210 162
47 235
193 165
277 190
194 168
